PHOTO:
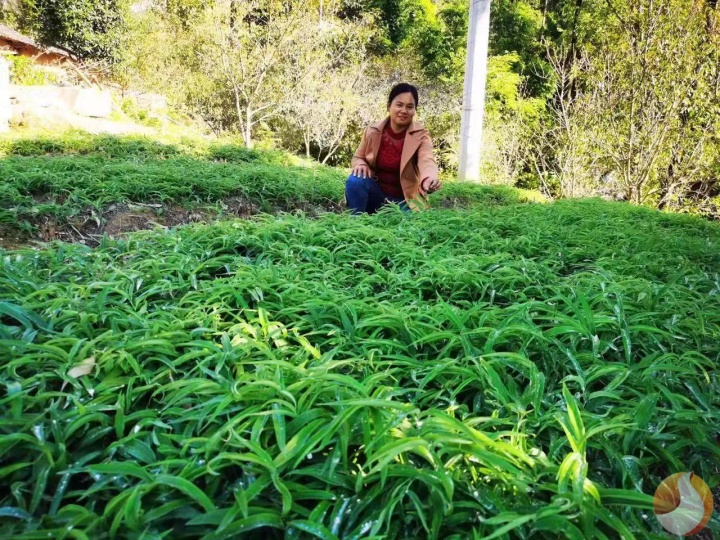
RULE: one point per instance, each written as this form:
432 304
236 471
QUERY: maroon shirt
387 166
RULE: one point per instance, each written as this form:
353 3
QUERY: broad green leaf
314 529
188 488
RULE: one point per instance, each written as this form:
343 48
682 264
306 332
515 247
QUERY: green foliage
503 84
134 148
636 107
80 172
92 29
511 372
308 76
24 71
517 29
19 14
186 11
440 42
435 31
582 25
131 109
396 16
517 26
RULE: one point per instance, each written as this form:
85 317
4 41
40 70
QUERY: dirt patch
117 220
240 207
121 219
173 216
42 197
129 220
452 203
12 238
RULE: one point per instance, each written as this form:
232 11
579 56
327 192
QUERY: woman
395 161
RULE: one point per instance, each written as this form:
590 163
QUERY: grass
64 178
514 371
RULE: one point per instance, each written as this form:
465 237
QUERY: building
13 42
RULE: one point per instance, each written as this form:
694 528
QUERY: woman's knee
358 185
355 181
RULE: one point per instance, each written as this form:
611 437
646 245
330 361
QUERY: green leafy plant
512 371
78 171
23 71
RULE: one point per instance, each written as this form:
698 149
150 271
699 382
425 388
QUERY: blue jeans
365 195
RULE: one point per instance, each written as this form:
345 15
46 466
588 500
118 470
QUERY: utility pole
474 94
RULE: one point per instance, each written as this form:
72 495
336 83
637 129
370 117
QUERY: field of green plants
506 370
75 178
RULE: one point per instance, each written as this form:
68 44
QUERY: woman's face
402 109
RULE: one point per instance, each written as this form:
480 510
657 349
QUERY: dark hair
401 89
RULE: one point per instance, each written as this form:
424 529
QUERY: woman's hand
429 185
361 171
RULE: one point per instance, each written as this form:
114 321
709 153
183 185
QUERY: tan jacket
416 164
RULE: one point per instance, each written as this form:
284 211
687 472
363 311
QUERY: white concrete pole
474 94
4 94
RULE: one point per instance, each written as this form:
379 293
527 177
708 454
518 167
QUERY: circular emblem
683 504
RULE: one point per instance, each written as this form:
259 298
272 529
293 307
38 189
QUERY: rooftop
13 36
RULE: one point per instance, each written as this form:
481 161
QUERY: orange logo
683 504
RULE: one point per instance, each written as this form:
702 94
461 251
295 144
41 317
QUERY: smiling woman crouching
395 161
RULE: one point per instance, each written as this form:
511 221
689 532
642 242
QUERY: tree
635 115
262 51
323 109
92 29
563 156
615 97
652 71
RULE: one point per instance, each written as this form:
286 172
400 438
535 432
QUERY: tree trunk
574 53
248 127
330 154
666 184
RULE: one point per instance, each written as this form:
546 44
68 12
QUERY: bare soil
120 219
